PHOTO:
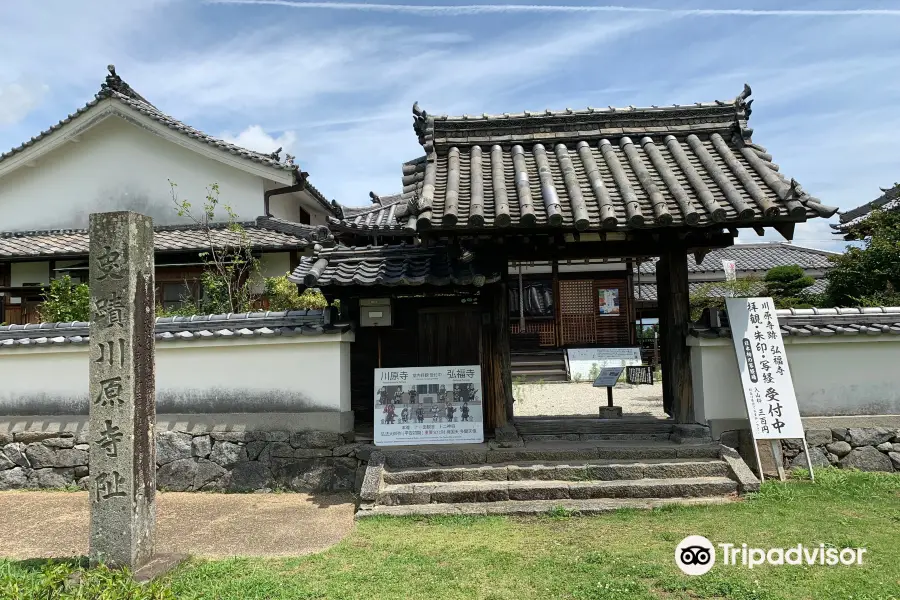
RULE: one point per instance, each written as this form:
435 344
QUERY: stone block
867 458
839 434
841 448
304 453
344 474
16 453
834 459
303 475
281 450
83 482
80 472
732 439
41 456
818 457
255 448
271 436
506 433
172 446
227 453
201 446
5 438
55 478
233 436
364 451
60 442
85 447
885 447
538 491
31 437
316 439
177 476
818 437
610 412
5 463
349 437
896 438
249 477
345 450
13 479
868 436
895 460
209 476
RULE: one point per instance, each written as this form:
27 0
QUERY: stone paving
56 524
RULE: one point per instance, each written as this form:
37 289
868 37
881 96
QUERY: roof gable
117 98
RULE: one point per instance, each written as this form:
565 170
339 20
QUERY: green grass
624 555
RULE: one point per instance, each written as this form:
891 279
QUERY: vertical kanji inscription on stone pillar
122 390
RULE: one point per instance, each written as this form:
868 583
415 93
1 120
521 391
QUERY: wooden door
449 336
577 312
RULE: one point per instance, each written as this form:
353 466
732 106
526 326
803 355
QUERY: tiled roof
755 257
598 169
384 217
266 233
117 89
807 322
889 200
390 266
646 292
201 327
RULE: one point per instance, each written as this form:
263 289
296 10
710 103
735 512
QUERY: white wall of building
832 376
304 378
118 165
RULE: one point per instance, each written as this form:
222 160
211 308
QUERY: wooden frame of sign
765 378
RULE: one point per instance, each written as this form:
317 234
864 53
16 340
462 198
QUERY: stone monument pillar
122 390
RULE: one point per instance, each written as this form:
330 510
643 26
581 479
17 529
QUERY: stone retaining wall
221 461
863 448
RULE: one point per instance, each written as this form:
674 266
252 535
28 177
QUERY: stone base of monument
610 412
158 566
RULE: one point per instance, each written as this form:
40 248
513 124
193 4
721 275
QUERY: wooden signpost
765 377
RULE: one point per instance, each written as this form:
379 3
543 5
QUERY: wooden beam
674 307
760 231
786 230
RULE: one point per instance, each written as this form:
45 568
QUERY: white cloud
17 99
255 138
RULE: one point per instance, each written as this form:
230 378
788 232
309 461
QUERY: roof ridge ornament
338 209
114 83
376 199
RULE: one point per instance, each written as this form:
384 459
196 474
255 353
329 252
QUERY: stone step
521 377
497 491
399 457
528 426
599 437
535 507
598 470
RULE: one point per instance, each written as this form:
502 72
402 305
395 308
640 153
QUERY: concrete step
600 437
597 470
534 507
539 364
498 491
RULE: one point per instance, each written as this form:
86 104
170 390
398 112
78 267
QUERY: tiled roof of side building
823 322
266 233
401 264
647 292
889 200
597 169
197 328
756 257
116 88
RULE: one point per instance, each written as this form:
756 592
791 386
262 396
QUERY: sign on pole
765 373
429 405
583 360
608 376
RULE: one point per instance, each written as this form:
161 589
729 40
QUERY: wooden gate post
675 311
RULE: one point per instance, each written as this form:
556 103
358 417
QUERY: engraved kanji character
110 309
110 392
109 438
109 486
108 264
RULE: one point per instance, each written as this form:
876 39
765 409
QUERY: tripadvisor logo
696 555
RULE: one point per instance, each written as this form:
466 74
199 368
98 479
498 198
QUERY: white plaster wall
288 375
118 165
843 376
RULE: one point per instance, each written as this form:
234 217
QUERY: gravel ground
535 399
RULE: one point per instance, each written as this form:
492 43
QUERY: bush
283 295
869 276
67 581
65 301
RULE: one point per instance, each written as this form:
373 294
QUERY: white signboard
608 376
765 374
585 363
428 405
730 270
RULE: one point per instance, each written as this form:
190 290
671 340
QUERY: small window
303 217
176 294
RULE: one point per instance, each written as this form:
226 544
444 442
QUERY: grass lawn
624 555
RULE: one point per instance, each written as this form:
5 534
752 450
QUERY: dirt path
583 399
56 524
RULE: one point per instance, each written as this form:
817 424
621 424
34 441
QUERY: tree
712 294
868 276
230 268
283 295
787 285
65 301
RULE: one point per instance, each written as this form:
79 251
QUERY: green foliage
70 580
65 301
786 284
713 294
283 295
230 268
869 276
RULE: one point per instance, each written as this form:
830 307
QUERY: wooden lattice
545 329
578 309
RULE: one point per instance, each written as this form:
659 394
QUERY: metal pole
609 399
521 301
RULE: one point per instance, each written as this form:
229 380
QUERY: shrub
283 295
65 301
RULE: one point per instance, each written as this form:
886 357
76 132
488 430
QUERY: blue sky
334 82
